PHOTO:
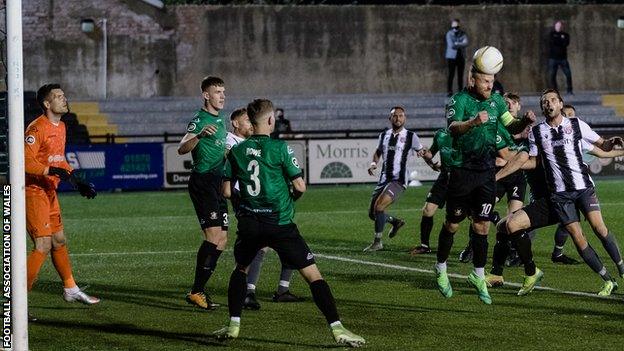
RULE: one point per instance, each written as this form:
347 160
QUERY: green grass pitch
137 251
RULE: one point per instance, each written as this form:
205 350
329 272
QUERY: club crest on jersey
450 113
30 139
191 127
492 104
567 129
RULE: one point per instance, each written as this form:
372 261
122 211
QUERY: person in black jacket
558 42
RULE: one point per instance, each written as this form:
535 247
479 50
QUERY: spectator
282 125
558 41
456 42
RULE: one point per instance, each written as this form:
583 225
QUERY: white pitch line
353 260
453 275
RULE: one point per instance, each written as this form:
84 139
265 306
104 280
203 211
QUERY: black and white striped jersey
395 150
561 153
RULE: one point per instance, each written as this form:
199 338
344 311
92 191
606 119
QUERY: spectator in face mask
456 42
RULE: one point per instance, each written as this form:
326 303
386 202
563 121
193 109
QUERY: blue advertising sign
136 166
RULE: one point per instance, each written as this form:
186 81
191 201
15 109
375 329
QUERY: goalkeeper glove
62 173
85 189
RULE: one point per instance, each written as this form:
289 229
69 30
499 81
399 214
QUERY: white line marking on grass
453 275
353 260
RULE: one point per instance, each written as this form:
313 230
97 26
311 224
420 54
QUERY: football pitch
137 252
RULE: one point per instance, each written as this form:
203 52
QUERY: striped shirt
395 150
232 140
561 152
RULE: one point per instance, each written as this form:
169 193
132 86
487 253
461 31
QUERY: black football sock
324 300
254 271
479 249
236 292
445 243
203 265
561 236
501 251
426 225
523 245
593 261
611 246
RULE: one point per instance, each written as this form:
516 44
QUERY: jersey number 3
254 169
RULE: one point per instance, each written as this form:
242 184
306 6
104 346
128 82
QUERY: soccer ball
488 60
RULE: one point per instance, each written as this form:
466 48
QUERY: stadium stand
317 113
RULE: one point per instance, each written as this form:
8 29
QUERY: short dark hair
551 90
258 108
570 107
397 108
44 92
512 96
211 81
237 113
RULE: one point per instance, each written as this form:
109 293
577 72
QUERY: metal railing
607 129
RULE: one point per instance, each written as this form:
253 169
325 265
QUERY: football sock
440 266
60 259
284 282
611 246
479 249
445 243
324 300
501 251
380 221
593 261
480 272
523 246
236 292
254 271
378 237
203 267
426 225
33 263
561 235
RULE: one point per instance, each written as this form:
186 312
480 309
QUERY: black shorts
514 186
437 193
252 235
568 203
470 192
393 189
208 201
541 213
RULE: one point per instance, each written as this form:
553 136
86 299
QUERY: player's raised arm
522 160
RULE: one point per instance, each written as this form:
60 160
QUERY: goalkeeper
45 164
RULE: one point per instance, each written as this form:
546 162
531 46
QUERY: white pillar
15 84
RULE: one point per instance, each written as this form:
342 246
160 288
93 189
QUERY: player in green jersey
205 139
473 117
270 180
436 198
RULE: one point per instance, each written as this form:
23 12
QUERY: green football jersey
264 169
477 147
443 143
209 153
504 139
